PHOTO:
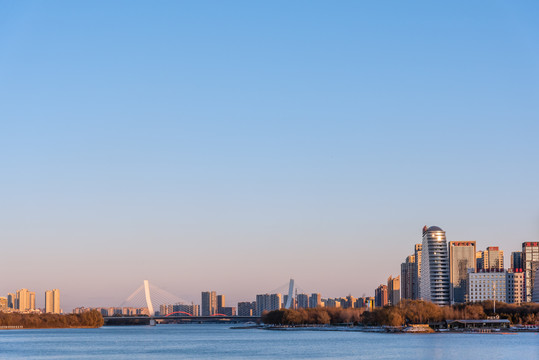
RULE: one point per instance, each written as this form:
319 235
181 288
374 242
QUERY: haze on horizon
231 145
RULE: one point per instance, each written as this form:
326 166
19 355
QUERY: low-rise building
487 284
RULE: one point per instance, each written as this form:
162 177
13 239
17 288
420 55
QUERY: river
215 341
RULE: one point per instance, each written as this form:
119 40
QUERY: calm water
220 342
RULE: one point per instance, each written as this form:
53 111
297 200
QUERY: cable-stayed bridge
150 304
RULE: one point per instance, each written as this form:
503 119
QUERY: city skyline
216 298
230 146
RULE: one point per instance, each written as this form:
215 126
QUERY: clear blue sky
230 145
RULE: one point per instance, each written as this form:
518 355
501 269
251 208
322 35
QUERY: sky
229 146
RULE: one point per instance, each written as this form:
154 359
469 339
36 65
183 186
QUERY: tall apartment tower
461 261
492 258
209 303
530 260
434 284
407 277
417 272
220 303
52 301
380 296
267 302
535 290
302 301
315 300
394 290
516 260
514 286
25 300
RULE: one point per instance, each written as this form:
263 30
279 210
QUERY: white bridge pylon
148 298
152 297
288 304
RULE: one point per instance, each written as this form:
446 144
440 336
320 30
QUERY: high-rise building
416 292
11 300
246 308
220 304
516 260
479 261
335 303
267 302
3 303
535 292
185 309
461 261
209 303
228 311
393 290
530 259
407 278
369 303
315 300
25 300
350 302
487 285
381 296
492 258
52 301
514 286
434 266
302 301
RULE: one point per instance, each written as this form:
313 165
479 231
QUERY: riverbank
412 329
13 321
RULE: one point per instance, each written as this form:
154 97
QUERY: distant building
487 285
479 261
209 303
350 302
25 300
530 259
360 303
535 293
302 301
228 311
267 302
220 303
80 310
52 301
293 304
516 260
492 258
461 261
434 266
191 309
369 303
335 303
393 290
381 296
11 300
407 278
246 308
416 291
3 303
514 286
315 300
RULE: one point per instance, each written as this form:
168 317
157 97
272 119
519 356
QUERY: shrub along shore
405 313
89 319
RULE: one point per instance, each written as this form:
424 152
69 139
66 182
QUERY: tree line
90 318
406 312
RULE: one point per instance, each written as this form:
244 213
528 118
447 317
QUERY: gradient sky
230 145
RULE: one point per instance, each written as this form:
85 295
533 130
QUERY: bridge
142 297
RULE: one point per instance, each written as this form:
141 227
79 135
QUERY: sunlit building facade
434 284
461 261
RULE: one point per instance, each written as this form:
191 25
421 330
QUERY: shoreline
384 330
